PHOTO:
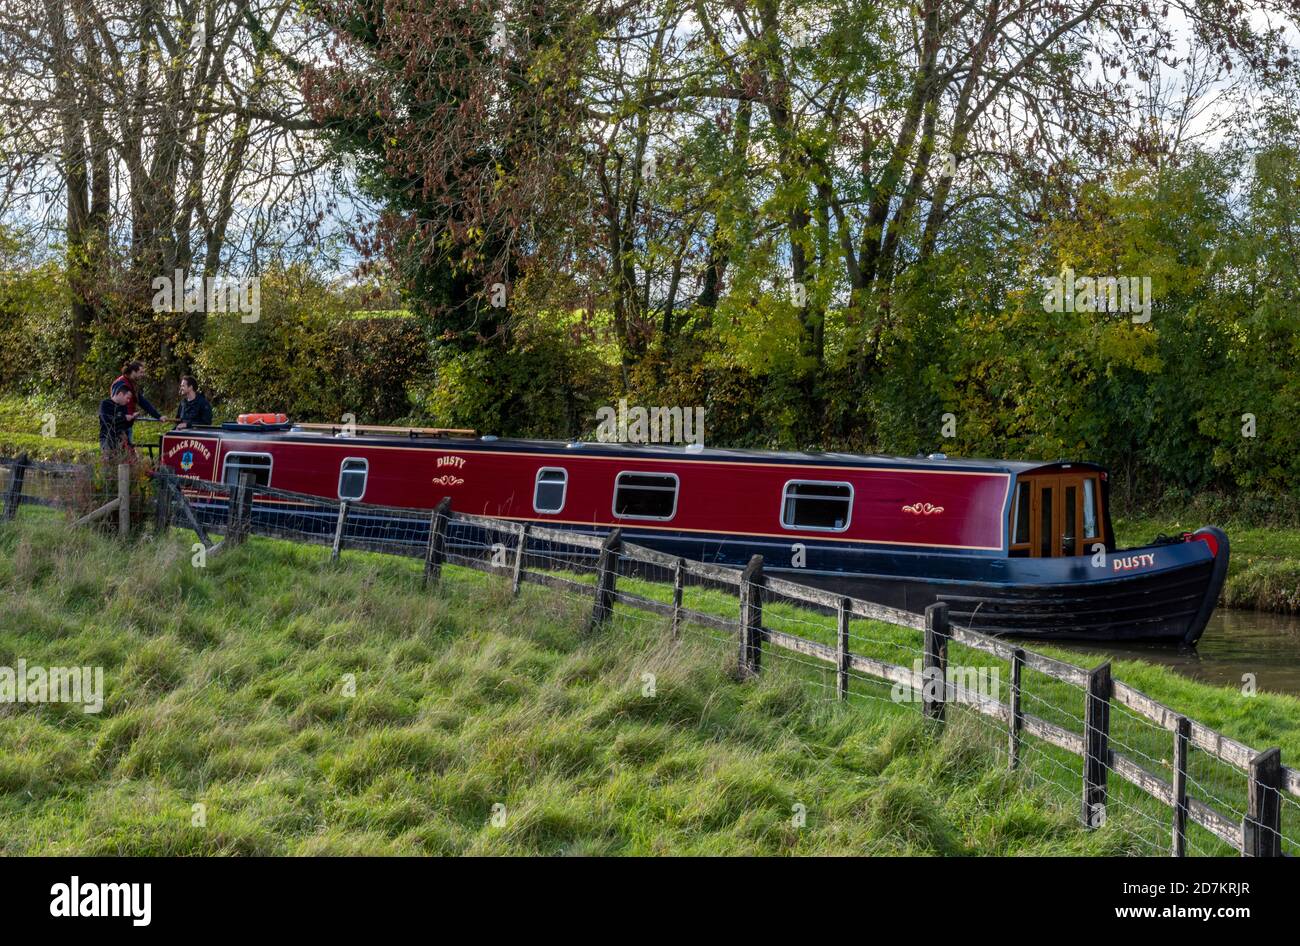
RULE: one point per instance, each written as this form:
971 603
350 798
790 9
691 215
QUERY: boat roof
589 448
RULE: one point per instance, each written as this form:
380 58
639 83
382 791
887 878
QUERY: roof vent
488 437
694 447
574 444
937 456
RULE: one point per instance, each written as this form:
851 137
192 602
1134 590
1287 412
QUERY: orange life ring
263 418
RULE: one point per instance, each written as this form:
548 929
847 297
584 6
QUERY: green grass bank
316 708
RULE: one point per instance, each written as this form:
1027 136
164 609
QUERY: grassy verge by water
58 429
1261 720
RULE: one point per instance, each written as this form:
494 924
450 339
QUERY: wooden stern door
1064 509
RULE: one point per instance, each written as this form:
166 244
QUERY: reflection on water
1234 643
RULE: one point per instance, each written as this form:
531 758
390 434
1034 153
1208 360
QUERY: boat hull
1159 593
1163 608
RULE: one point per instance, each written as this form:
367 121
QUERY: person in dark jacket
114 421
132 375
194 410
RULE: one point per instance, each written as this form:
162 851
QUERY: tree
166 131
462 120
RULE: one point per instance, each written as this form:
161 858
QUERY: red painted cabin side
960 509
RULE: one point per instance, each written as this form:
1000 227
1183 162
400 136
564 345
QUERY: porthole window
549 490
352 478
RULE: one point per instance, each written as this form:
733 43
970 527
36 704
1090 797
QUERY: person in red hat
132 375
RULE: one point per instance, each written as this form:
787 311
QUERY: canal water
1234 644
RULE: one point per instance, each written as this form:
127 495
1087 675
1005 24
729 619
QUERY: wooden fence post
437 538
162 512
188 514
123 500
519 559
13 495
607 572
246 484
751 619
1261 829
1016 723
934 671
842 649
232 515
1182 736
1096 745
239 510
338 530
679 575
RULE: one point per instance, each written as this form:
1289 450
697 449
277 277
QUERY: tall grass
312 708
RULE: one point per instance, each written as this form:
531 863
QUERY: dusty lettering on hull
1127 562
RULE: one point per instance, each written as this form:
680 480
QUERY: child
114 421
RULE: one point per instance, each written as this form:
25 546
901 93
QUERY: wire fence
108 494
1162 782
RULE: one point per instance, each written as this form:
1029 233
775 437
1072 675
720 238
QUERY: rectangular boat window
810 504
548 493
1021 515
1090 508
258 464
645 495
1069 537
352 478
1046 534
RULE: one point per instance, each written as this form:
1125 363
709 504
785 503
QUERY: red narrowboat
1016 548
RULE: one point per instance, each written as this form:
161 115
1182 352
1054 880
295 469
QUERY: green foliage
310 357
544 385
1164 404
35 341
1161 403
